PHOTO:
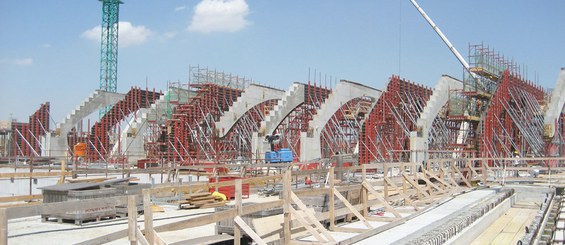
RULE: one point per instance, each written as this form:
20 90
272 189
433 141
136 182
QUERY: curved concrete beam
58 143
252 96
344 92
555 105
292 98
424 123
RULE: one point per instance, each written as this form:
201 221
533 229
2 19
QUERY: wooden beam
69 206
286 207
21 198
241 224
365 208
401 193
307 225
32 175
309 213
238 208
353 210
462 177
429 183
198 221
415 185
331 204
148 216
349 230
158 239
132 220
140 238
382 200
3 226
372 232
437 178
254 208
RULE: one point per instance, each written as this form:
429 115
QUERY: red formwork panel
229 191
191 132
498 124
99 145
382 136
27 136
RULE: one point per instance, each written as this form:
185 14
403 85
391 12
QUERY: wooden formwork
383 186
398 186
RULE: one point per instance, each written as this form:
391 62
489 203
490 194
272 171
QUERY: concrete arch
440 96
555 105
291 99
252 96
57 143
344 92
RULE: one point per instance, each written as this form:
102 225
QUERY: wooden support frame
309 214
243 226
415 185
379 197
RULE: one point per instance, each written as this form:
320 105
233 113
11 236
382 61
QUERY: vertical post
3 226
405 185
385 184
332 196
485 172
286 206
148 216
30 175
238 211
364 190
132 220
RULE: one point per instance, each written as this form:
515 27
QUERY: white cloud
180 8
46 45
128 34
219 16
19 62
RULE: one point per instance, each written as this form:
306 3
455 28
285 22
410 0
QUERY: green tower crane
109 47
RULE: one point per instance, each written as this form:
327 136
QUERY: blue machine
282 155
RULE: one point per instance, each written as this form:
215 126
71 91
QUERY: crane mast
109 47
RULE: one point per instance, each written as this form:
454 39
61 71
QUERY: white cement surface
428 219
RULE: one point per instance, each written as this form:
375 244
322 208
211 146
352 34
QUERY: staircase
433 106
251 97
292 98
58 144
438 99
91 104
343 93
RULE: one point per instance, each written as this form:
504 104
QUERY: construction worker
516 162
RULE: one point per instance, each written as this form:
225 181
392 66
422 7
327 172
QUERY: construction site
221 159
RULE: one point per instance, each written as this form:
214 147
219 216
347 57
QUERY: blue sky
49 51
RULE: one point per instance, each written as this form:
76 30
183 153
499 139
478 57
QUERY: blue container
285 155
272 157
